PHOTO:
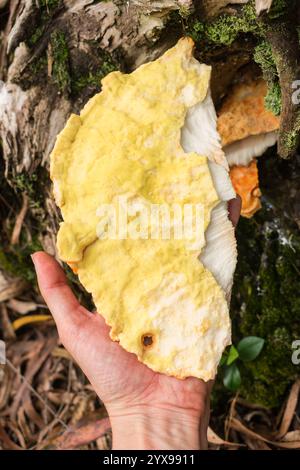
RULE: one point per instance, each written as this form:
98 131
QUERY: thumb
62 303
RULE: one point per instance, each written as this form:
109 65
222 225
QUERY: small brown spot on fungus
147 340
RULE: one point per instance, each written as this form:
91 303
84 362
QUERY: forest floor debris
47 403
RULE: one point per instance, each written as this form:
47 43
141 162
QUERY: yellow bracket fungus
150 137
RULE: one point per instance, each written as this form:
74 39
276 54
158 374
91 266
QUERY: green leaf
250 347
232 377
232 356
223 359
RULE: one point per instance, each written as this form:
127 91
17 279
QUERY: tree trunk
54 53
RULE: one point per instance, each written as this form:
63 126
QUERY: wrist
150 428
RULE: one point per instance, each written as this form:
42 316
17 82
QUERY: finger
234 209
54 288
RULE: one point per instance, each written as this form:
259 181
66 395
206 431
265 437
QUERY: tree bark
53 54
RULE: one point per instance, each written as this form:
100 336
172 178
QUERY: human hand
147 410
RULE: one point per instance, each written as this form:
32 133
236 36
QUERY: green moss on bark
49 4
264 57
31 184
278 8
273 98
93 78
17 261
47 7
60 54
291 138
265 299
225 29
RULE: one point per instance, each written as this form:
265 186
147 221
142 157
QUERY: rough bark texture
53 54
53 58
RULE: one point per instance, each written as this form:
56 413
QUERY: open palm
117 376
121 381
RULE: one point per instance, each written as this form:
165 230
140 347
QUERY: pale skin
147 410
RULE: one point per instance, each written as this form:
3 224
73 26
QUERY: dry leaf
232 413
103 443
251 406
238 426
32 413
40 411
289 410
12 289
255 444
213 438
49 59
61 352
8 331
6 440
78 436
21 306
292 436
258 413
31 370
30 319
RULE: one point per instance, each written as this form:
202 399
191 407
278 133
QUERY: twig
19 221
